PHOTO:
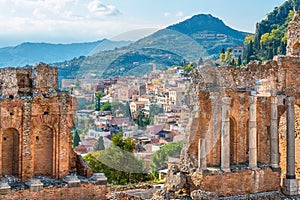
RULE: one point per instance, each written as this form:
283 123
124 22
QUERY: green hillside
270 35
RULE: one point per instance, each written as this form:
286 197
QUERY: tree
239 63
100 144
223 50
141 120
106 106
118 162
189 67
249 51
76 139
98 96
119 109
158 160
249 38
155 110
128 144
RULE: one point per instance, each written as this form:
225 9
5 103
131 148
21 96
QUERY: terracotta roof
81 149
120 120
154 129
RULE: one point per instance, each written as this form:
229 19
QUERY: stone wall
240 182
36 119
232 125
86 191
282 143
293 45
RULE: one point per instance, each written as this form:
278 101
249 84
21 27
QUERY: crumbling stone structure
36 119
243 137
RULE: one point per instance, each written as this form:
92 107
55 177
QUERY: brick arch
43 139
10 152
282 142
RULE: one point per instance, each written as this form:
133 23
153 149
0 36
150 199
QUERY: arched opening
10 152
43 151
233 141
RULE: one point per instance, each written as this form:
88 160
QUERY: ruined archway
10 152
233 141
282 143
43 151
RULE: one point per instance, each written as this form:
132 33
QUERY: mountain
31 53
106 45
200 36
210 33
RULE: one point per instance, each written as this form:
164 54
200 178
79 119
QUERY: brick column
274 154
202 164
252 133
290 183
225 137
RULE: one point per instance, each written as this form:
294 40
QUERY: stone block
35 185
5 188
98 179
72 181
290 187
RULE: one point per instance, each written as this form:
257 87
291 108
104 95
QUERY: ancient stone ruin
244 136
35 125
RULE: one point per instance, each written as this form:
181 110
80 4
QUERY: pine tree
100 145
76 139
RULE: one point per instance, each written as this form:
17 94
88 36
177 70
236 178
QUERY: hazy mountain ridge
30 53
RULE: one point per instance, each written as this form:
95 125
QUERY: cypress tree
76 139
100 145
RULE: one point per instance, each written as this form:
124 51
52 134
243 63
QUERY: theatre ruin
244 136
35 125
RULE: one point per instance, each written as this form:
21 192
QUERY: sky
68 21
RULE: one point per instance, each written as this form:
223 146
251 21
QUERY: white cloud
179 14
98 8
167 14
65 20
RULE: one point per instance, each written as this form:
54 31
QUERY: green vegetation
142 120
106 106
100 144
76 138
161 156
155 110
119 109
98 96
189 67
227 59
118 162
270 38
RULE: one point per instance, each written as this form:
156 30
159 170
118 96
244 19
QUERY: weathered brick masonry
242 123
36 119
